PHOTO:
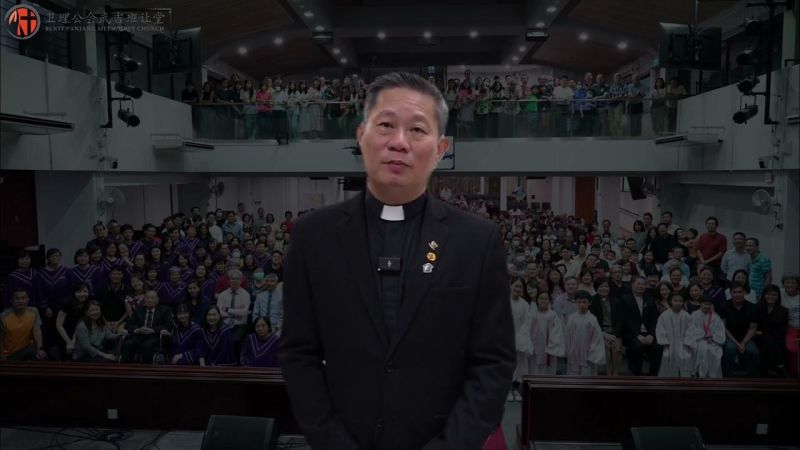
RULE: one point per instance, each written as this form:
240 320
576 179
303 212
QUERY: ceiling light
278 40
515 58
427 34
336 50
343 60
473 34
551 9
507 66
309 14
319 28
584 36
622 45
381 35
522 48
462 67
242 50
540 24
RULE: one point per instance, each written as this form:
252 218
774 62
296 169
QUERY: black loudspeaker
667 438
354 183
240 433
635 185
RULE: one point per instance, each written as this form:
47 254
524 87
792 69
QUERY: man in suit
639 330
397 326
145 329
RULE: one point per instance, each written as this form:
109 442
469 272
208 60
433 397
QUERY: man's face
711 225
571 286
587 79
400 140
236 282
150 299
231 218
666 218
127 235
115 276
737 294
738 241
638 286
100 231
750 247
600 78
662 230
149 232
20 300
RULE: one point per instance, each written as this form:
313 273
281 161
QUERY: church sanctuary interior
638 161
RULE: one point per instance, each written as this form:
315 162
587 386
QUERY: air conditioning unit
793 119
19 124
176 142
689 139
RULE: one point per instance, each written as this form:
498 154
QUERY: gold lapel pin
433 245
427 268
431 256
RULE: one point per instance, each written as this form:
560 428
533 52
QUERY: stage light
622 45
747 57
522 48
515 58
427 34
278 40
129 118
309 14
473 34
746 86
336 50
127 64
551 9
745 114
319 28
584 36
381 35
128 90
540 24
343 60
242 51
752 25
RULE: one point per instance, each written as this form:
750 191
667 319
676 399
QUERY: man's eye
418 130
385 125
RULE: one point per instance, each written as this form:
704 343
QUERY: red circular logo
23 22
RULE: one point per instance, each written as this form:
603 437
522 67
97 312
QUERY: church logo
23 22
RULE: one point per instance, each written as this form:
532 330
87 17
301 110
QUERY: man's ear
359 133
441 147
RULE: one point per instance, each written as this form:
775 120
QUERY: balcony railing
537 118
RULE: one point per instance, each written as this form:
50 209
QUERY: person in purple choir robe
187 338
190 242
51 286
260 349
125 255
197 302
173 291
200 275
198 256
204 235
261 256
83 272
101 239
187 272
139 267
95 255
110 261
168 253
217 344
151 281
157 260
21 278
134 247
150 239
212 248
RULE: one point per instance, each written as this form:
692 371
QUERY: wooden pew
603 409
145 396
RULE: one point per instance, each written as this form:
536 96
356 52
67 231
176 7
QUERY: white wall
276 194
542 190
66 209
563 195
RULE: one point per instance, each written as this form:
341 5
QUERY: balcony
294 120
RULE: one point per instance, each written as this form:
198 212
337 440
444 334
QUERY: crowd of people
480 107
585 297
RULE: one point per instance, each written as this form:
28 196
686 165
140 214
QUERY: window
55 46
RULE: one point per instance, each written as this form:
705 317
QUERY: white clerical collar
393 213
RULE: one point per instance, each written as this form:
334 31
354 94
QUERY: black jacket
633 320
442 382
162 319
617 316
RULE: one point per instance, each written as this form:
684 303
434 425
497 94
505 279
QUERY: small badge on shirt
427 268
389 264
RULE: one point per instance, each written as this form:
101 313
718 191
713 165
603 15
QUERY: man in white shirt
234 306
269 303
736 258
573 266
213 229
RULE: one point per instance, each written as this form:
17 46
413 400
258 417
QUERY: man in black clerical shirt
397 326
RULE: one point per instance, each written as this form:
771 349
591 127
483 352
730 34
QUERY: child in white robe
706 336
519 312
671 330
583 339
546 336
